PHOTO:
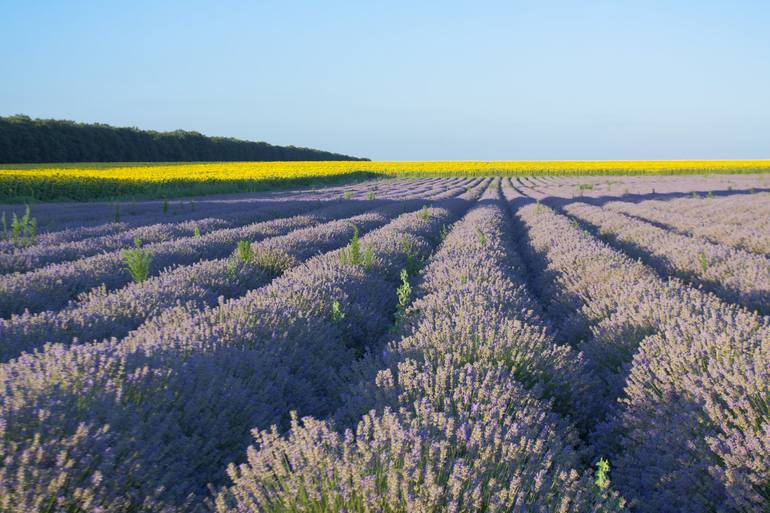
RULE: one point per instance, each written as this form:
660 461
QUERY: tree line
27 140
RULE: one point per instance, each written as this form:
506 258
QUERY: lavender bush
101 314
43 254
740 221
733 274
51 287
525 365
205 376
450 425
690 371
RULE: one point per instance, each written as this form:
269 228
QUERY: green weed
138 260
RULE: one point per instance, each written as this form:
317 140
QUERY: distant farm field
99 181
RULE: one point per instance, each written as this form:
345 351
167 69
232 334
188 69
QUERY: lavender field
542 344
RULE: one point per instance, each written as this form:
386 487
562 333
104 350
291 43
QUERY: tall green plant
354 254
601 479
23 229
337 315
138 260
403 297
243 251
403 294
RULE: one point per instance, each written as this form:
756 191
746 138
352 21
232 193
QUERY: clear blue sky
433 80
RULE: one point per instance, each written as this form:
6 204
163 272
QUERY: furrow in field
456 399
180 394
644 188
53 286
40 255
102 314
741 222
119 219
60 229
735 275
24 259
681 409
67 214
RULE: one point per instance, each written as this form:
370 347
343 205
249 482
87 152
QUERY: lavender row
645 187
732 206
53 286
39 255
70 235
101 314
450 425
78 230
582 283
26 259
75 222
150 213
735 275
74 214
180 394
740 221
690 429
